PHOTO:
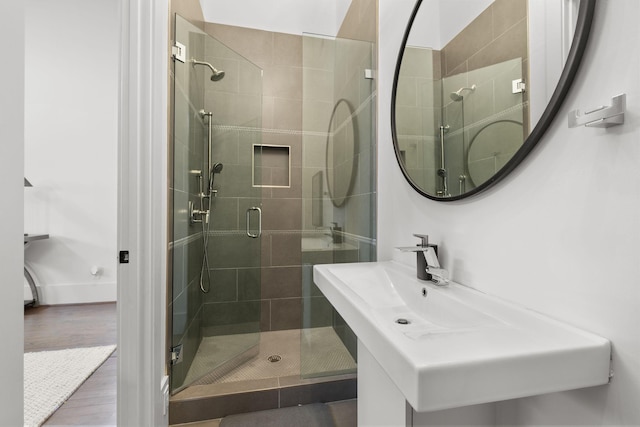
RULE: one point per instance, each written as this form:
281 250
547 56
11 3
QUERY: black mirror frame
578 46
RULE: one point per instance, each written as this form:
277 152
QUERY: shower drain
274 358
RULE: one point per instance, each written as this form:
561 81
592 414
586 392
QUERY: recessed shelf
271 166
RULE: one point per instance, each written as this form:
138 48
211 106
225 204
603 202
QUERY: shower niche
271 166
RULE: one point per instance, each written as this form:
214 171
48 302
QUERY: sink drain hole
402 321
274 358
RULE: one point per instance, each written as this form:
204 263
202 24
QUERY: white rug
50 377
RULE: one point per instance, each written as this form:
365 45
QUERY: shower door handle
249 233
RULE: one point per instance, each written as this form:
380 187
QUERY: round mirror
476 85
342 140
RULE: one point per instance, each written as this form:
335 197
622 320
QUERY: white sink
460 347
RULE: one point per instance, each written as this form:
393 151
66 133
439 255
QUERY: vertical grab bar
248 217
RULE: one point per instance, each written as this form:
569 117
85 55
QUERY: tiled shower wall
239 293
279 296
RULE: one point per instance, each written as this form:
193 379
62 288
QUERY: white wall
561 235
442 20
283 16
11 253
70 147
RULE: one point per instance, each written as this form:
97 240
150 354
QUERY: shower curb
211 401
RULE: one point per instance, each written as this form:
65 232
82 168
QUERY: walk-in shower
246 315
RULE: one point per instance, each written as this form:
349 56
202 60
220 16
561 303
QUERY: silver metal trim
248 221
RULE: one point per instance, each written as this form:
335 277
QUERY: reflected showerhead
217 74
457 95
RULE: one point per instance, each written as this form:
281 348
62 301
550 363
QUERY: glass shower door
216 280
338 188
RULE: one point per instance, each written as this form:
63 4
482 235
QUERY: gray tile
287 113
224 147
286 314
281 282
283 82
255 45
179 276
321 312
249 284
220 406
512 44
473 38
224 213
287 49
265 315
223 286
234 251
282 214
322 392
235 181
286 249
239 313
506 13
295 189
193 253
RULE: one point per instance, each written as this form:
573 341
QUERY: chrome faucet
427 264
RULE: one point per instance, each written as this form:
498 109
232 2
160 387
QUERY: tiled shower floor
322 352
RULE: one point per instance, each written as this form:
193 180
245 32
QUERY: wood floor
71 326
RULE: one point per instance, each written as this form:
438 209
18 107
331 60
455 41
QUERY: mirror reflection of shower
216 74
457 95
442 170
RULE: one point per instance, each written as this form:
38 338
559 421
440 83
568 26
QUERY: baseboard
77 293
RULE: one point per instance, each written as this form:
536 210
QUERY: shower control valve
196 216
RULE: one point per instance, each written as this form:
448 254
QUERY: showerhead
217 74
216 168
457 95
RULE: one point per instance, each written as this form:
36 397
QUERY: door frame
142 212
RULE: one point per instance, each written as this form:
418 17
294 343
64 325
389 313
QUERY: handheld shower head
216 168
217 74
457 95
